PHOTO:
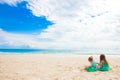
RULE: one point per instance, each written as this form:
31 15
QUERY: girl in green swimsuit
91 68
103 65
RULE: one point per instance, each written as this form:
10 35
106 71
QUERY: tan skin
90 59
90 62
100 64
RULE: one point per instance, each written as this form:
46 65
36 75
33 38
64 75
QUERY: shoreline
65 55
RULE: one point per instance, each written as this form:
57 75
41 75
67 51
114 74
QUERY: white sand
54 67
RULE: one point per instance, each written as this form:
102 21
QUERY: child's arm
100 64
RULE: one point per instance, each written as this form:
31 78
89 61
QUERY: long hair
103 58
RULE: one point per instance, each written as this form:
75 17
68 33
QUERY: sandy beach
54 67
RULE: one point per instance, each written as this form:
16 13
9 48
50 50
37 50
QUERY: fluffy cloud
15 40
78 24
11 2
65 9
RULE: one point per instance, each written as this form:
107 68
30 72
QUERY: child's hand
98 63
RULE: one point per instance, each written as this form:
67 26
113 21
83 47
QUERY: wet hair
103 58
90 58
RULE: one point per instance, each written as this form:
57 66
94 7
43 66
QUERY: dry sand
54 67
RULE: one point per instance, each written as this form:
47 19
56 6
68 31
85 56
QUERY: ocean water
20 51
40 51
30 51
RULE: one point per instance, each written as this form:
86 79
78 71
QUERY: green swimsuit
105 67
91 68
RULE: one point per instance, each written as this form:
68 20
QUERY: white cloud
15 40
11 2
78 23
23 40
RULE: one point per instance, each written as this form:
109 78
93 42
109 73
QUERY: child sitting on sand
91 68
103 65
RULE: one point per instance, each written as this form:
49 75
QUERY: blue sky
19 19
60 24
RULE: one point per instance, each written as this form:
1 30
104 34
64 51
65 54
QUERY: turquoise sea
43 51
31 51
